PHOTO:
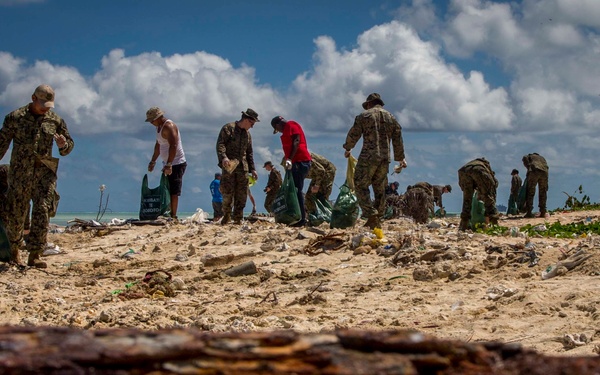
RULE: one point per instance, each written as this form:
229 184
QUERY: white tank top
164 147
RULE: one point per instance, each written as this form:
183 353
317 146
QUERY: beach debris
572 341
565 265
181 258
129 254
323 244
247 268
51 249
199 216
155 284
494 293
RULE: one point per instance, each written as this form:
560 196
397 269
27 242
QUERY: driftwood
62 350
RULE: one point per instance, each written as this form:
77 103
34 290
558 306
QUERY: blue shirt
214 190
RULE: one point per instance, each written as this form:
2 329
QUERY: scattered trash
571 341
565 265
129 254
199 216
496 292
51 249
248 268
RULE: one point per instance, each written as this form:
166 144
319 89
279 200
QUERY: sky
465 79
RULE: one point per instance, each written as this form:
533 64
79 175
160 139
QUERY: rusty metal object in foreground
61 350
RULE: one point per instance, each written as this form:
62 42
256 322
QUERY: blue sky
465 78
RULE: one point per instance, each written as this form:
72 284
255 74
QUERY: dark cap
251 113
449 188
371 98
217 174
514 171
396 183
276 121
268 163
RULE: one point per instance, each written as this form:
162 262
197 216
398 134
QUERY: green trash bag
4 244
286 208
522 197
345 209
155 202
477 212
512 206
322 213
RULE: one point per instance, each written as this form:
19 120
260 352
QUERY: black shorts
176 178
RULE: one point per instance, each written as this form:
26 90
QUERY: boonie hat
153 113
371 98
275 121
45 94
267 163
251 113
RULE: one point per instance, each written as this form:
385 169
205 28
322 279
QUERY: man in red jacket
296 156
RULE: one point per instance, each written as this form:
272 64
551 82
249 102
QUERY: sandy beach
466 286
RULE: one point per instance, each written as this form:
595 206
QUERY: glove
288 164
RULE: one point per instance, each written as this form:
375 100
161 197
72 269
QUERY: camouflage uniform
478 175
515 186
419 201
321 173
4 168
378 128
235 143
32 174
537 174
3 190
274 184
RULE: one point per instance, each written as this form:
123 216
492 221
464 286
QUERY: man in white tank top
168 147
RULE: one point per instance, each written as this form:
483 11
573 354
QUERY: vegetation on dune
556 230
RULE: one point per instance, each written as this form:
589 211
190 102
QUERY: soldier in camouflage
33 129
438 191
537 175
3 190
321 175
478 175
273 185
378 128
234 145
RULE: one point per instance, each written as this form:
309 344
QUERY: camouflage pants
477 178
269 200
234 188
37 185
539 178
371 173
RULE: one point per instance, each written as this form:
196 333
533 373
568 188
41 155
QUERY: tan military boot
34 261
